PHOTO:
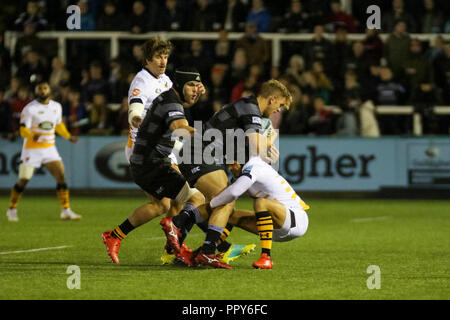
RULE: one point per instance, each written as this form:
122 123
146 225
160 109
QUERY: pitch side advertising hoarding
309 164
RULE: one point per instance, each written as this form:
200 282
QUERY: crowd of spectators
354 75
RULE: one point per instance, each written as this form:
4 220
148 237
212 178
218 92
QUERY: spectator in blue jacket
260 15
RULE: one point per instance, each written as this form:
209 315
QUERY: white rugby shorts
295 225
37 157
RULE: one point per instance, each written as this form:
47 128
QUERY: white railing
275 38
402 110
114 38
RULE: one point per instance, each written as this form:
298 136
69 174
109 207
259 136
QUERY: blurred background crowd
92 86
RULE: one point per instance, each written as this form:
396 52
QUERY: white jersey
42 119
261 181
269 184
144 88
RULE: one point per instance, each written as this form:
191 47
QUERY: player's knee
260 204
197 198
61 186
163 205
191 195
25 173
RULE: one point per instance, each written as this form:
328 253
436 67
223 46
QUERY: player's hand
136 121
190 129
272 155
201 88
36 137
73 139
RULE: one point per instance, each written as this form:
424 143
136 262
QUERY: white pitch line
370 219
34 250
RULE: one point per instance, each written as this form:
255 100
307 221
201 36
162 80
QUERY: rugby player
211 179
148 84
152 168
39 121
280 214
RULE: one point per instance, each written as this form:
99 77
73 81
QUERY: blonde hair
275 87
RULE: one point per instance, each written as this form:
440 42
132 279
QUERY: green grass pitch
408 240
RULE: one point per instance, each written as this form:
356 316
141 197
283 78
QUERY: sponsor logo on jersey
196 169
158 90
256 120
135 92
175 113
46 125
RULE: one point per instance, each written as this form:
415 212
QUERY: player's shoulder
255 164
247 106
141 77
168 104
30 106
168 97
55 104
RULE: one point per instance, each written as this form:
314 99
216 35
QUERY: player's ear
272 100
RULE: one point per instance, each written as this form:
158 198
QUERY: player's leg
213 183
29 160
269 214
25 174
143 214
56 169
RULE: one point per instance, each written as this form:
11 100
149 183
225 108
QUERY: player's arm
258 144
175 119
233 191
26 133
25 125
135 110
61 129
136 102
251 122
177 126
